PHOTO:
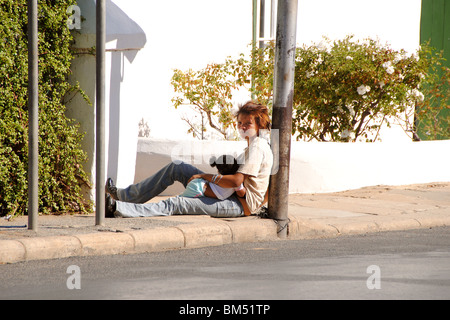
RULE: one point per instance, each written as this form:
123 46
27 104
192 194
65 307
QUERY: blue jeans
132 200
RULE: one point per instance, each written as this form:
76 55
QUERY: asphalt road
411 264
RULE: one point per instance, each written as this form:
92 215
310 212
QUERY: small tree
210 92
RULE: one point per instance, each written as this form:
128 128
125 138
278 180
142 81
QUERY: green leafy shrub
60 156
346 90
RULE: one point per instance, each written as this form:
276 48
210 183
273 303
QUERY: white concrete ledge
316 167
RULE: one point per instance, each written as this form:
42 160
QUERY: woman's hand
195 176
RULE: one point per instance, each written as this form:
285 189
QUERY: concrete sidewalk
365 210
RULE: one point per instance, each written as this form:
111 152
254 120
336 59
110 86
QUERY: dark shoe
110 206
111 189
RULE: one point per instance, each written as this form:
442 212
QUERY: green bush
346 90
60 156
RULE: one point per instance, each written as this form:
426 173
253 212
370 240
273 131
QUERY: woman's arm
227 181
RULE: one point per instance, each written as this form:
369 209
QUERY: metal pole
255 22
100 112
33 116
262 22
282 111
254 36
272 18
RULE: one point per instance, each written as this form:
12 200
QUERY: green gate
435 27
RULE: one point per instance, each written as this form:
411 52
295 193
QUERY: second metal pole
33 116
283 87
100 112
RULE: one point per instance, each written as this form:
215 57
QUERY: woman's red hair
259 112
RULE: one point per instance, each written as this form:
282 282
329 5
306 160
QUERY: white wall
330 167
316 167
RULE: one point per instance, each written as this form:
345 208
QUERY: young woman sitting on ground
253 173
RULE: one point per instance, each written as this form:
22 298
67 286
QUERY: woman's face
247 126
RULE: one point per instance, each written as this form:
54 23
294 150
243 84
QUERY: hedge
61 158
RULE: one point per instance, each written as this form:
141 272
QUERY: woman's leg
157 183
230 207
